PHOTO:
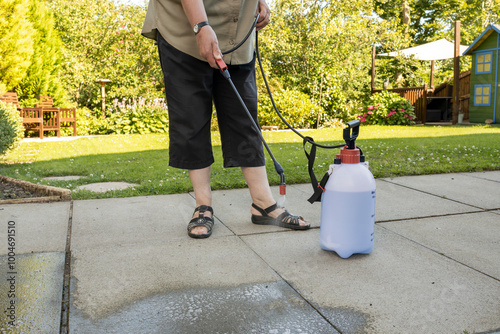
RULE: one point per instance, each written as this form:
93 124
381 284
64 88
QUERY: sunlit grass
143 159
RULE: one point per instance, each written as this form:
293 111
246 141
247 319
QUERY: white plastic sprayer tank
348 206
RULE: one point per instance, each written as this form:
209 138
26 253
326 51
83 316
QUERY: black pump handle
350 137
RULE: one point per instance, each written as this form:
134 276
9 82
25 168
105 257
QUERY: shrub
333 123
11 127
87 123
138 116
295 106
335 105
387 108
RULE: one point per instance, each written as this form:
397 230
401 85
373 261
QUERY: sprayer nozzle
282 189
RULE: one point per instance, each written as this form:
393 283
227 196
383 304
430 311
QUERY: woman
190 36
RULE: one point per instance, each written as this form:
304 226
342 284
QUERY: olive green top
230 19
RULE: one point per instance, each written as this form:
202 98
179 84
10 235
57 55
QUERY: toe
303 223
199 230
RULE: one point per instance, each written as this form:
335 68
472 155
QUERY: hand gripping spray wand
225 73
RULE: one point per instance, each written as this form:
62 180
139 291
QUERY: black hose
277 166
307 139
246 37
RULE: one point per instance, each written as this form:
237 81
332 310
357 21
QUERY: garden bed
14 191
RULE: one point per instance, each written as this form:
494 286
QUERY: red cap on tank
348 156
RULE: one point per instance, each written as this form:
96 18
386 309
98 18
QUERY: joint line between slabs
431 194
65 304
292 287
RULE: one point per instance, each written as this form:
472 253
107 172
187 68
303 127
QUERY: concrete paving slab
396 202
271 307
471 239
31 293
402 287
102 187
114 221
40 227
490 175
232 207
110 278
464 188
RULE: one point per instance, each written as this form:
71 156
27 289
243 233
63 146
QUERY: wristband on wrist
198 26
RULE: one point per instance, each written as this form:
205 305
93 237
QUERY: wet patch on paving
347 320
272 307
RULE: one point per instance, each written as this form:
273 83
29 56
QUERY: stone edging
52 194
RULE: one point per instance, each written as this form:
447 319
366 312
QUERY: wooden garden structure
485 76
435 104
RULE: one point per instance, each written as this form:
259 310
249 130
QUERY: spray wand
317 186
225 73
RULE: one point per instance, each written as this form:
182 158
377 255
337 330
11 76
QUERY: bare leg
260 191
200 179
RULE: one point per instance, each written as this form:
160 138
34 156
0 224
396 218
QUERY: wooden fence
418 96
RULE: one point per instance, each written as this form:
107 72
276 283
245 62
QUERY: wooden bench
44 117
32 117
32 120
66 116
52 120
44 101
10 98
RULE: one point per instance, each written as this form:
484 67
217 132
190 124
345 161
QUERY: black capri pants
190 87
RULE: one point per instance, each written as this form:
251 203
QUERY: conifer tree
16 42
42 75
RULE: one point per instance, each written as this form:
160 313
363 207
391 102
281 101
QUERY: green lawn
143 159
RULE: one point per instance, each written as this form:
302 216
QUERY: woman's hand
265 12
208 45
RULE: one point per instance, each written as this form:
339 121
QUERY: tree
322 48
431 20
42 76
103 40
16 43
434 19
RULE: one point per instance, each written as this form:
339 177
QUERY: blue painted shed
485 75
